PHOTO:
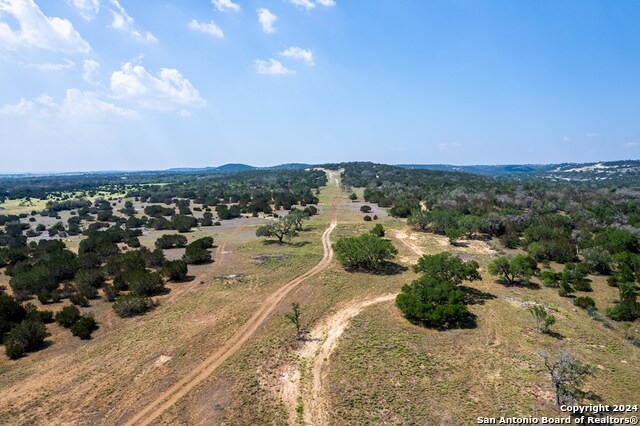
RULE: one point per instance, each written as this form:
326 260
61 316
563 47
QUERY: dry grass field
376 367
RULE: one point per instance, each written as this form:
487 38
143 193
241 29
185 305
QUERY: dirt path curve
315 405
318 349
172 395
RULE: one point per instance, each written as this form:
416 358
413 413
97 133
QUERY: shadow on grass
554 334
520 284
387 268
186 279
469 321
473 296
285 243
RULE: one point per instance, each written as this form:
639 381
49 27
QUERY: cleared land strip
319 350
231 346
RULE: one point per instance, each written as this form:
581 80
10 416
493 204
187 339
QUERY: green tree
84 327
454 234
433 301
542 319
377 230
597 260
145 283
67 316
519 268
365 253
175 270
627 307
419 220
282 228
131 305
295 317
447 267
27 336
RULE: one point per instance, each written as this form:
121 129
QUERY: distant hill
236 167
614 171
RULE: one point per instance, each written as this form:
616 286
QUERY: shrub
194 255
84 327
584 302
366 253
175 270
79 299
87 291
131 305
367 218
145 283
110 292
68 316
542 319
365 209
25 337
168 241
204 243
433 302
378 230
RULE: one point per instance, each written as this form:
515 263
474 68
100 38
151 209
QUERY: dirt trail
320 349
172 395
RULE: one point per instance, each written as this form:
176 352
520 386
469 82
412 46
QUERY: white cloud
327 3
211 28
566 139
266 19
272 67
89 70
166 91
88 9
21 108
592 135
304 55
630 145
306 4
75 104
38 30
123 22
225 5
47 66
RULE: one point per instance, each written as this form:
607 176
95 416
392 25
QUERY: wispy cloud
630 145
89 71
327 3
36 30
566 139
66 64
167 90
305 4
225 5
272 67
123 22
76 103
266 19
208 28
299 53
592 135
88 9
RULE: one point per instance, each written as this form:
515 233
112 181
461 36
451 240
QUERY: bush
68 316
433 302
365 209
25 337
110 292
195 255
367 218
79 299
175 270
145 283
84 327
131 305
584 302
366 253
203 243
378 230
87 291
170 241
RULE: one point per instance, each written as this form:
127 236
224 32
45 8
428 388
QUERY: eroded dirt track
174 393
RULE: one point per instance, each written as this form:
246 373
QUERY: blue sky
132 84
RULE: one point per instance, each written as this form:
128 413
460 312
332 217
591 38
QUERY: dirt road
208 366
314 401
